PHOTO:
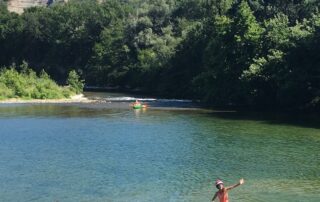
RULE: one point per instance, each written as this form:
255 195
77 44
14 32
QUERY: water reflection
56 110
308 120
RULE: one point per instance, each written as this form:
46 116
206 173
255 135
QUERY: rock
18 6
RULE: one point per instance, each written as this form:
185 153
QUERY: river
110 152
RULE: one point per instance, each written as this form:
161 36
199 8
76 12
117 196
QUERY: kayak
139 106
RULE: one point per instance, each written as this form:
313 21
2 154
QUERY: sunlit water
79 152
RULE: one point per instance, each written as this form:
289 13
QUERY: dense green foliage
225 52
75 83
26 84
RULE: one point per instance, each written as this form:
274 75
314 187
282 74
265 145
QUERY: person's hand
241 181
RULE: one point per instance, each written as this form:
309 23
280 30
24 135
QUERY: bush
5 92
76 85
27 85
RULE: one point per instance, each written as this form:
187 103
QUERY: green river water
110 152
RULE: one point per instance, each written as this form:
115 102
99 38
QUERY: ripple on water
74 153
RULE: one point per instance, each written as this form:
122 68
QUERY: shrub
5 92
76 85
27 85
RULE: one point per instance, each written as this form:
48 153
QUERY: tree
234 43
75 82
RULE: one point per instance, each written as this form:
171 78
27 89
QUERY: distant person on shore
222 192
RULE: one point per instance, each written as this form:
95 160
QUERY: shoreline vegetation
21 83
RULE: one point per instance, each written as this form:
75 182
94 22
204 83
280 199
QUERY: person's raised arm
215 196
241 181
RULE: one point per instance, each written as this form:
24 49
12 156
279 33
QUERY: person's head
219 184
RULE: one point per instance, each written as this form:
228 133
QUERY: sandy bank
74 99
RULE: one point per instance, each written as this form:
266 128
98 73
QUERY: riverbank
80 98
110 101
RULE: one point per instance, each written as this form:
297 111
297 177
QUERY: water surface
81 152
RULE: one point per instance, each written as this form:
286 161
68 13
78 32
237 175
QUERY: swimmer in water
222 192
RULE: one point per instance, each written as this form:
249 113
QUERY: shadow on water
84 110
53 110
310 120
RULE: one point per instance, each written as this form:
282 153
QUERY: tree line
224 52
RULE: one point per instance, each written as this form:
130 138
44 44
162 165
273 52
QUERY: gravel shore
73 99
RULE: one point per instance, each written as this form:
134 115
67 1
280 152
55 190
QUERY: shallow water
77 152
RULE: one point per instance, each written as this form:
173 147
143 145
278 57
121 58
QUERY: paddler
137 102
